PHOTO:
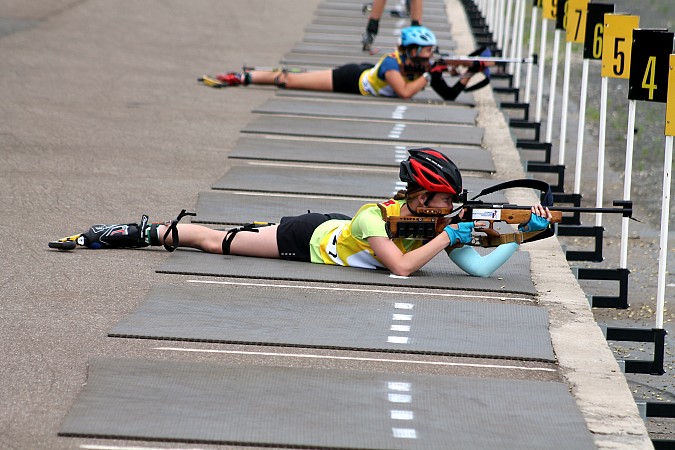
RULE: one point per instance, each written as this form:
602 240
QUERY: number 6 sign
617 44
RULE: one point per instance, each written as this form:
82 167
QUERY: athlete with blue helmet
402 73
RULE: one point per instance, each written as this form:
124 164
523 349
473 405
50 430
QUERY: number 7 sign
617 44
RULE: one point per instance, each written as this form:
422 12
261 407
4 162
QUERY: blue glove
536 223
461 234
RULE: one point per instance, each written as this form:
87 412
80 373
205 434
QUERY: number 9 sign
617 44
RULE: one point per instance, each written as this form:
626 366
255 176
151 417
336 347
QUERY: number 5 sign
649 65
616 45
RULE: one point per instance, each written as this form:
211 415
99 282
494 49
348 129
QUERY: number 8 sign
617 44
649 65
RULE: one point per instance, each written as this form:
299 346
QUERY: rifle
430 222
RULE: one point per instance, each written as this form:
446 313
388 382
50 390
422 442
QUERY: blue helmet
417 35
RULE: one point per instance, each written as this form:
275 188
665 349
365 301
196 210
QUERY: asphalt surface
102 120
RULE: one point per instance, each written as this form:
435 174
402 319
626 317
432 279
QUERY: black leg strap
173 229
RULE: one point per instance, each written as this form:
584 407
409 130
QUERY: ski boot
226 79
130 235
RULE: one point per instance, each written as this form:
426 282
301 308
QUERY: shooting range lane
272 406
202 402
426 97
338 181
366 155
440 273
367 130
342 320
356 110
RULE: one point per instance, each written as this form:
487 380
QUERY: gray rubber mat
436 23
433 15
357 30
324 61
417 133
371 111
384 42
218 207
212 403
342 47
370 154
439 273
426 97
326 181
341 320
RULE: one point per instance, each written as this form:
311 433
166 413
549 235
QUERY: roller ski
223 80
129 235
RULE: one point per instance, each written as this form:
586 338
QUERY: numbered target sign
670 104
549 9
595 29
617 44
575 27
649 65
561 15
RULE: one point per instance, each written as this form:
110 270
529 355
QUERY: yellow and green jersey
345 242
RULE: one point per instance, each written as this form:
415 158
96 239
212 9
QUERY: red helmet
432 171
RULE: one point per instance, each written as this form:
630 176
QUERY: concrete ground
102 120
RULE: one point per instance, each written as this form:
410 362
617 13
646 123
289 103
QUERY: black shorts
295 232
346 78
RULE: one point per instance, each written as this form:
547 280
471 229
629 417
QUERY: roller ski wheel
367 8
67 243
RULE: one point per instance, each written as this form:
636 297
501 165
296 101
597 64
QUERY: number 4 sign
649 65
616 45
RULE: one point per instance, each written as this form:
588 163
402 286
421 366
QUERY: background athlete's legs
373 26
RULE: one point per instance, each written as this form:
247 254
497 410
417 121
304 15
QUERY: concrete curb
585 360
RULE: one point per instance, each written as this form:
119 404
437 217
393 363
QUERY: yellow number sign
576 20
549 9
617 44
670 104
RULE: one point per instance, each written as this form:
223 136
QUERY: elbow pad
471 262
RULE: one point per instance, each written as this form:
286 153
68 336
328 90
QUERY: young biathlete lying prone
403 73
433 181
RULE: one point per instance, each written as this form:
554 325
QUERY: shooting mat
439 273
280 406
347 153
369 111
418 133
342 320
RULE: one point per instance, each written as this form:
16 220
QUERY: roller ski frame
68 243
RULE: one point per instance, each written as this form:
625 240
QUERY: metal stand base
620 275
583 231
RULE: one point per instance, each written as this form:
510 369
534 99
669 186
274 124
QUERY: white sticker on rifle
486 214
